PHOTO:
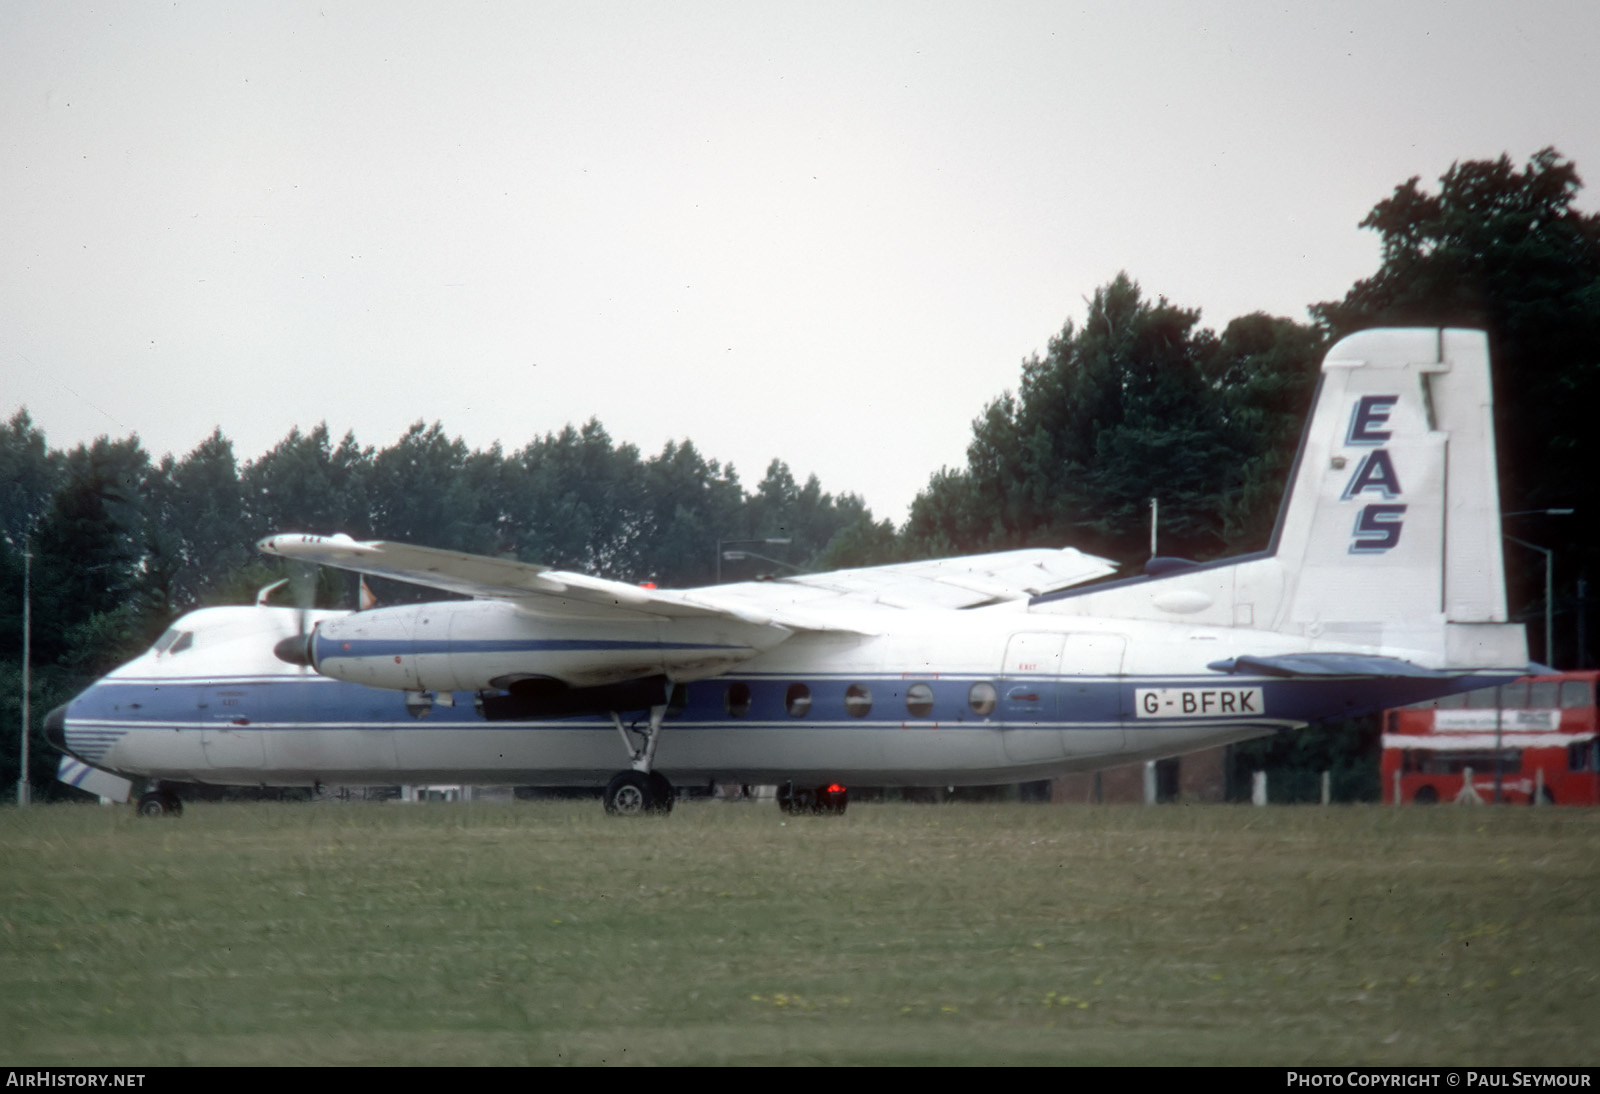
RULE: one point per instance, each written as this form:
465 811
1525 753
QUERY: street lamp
24 793
1549 564
1549 628
746 539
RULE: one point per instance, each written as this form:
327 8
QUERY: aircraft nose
55 728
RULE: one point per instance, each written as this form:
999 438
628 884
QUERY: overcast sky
826 233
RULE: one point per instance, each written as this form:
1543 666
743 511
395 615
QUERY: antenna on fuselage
267 590
302 584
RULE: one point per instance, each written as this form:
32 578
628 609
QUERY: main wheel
1426 795
629 794
832 799
661 792
160 803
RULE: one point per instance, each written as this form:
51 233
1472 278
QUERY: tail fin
1389 536
1393 513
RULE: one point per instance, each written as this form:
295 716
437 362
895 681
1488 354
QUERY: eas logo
1378 524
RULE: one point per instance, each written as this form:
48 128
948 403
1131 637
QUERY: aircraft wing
797 602
538 589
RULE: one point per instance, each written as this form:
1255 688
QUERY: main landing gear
827 801
641 789
630 793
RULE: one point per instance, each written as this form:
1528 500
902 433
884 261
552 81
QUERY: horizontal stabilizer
1329 664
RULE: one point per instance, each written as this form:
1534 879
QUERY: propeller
296 649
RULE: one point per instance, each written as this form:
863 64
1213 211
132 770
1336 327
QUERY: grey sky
826 233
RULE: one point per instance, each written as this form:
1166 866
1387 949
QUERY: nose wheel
160 803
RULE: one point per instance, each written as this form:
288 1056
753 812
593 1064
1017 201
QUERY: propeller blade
303 582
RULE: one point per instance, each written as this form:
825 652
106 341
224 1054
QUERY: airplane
1383 585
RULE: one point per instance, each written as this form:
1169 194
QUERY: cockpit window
174 641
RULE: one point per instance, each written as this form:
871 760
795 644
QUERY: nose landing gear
160 803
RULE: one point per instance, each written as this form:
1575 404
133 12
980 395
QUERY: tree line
1136 401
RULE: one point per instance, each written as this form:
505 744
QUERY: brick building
1195 777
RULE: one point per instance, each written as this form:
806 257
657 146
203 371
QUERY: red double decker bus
1532 740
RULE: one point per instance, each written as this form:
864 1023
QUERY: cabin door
1029 681
1061 696
1092 703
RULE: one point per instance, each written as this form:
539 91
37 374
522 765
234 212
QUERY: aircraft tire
629 794
661 793
160 803
1426 795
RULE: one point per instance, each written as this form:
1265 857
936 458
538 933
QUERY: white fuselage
934 697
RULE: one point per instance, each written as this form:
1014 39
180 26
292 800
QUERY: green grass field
548 933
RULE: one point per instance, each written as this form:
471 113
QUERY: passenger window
1544 695
1575 693
919 700
737 700
981 698
857 701
1514 696
797 700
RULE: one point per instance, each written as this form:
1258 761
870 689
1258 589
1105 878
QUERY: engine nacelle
491 644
